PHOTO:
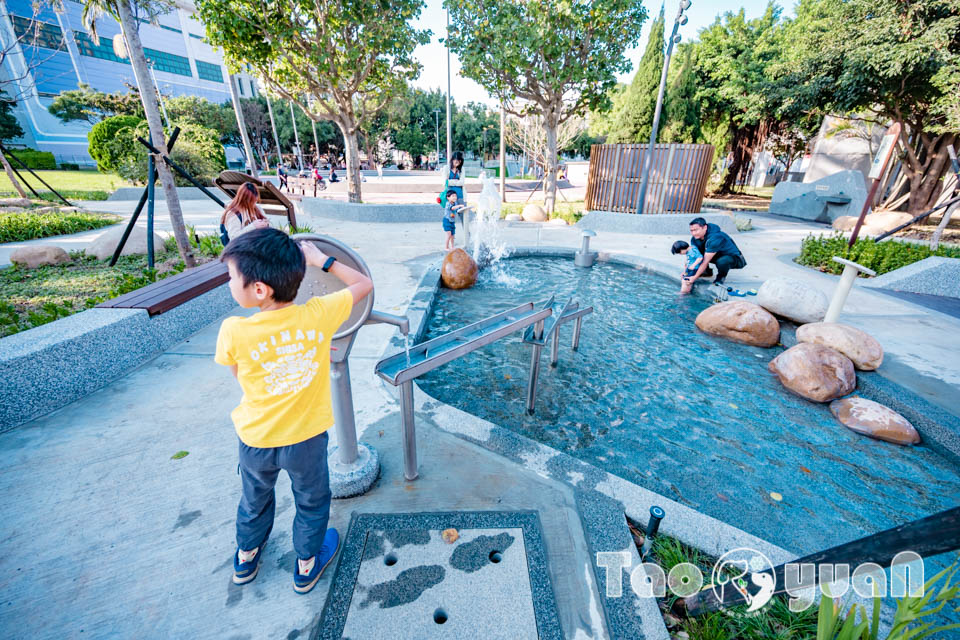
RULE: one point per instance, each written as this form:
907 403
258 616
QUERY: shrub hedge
33 158
818 251
16 227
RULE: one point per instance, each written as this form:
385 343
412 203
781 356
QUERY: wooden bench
303 186
271 199
164 295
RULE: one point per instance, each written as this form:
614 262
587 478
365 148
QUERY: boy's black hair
679 246
699 221
269 256
447 194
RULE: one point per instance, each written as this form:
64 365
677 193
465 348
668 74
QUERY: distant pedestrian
282 176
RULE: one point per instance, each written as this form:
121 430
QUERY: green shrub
818 252
198 151
16 227
69 166
101 137
33 158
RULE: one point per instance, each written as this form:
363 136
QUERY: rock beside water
875 420
458 270
740 321
534 213
865 352
793 300
815 372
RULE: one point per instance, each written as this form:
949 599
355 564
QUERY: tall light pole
503 154
296 136
273 126
648 156
449 134
436 118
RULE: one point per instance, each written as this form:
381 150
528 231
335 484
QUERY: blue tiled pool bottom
695 418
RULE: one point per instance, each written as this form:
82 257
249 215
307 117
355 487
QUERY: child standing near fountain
450 219
281 358
692 263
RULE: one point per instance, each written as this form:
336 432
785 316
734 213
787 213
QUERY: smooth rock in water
35 256
104 246
875 420
14 202
844 223
534 213
458 271
815 372
865 352
513 217
740 321
793 300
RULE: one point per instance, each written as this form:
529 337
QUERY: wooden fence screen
678 177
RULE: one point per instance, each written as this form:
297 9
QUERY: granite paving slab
398 577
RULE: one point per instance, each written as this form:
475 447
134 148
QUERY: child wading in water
692 263
281 358
449 219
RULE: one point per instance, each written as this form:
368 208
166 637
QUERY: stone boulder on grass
34 256
740 321
814 372
106 243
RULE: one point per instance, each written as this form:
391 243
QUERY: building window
240 85
103 50
163 61
174 29
207 71
38 34
196 36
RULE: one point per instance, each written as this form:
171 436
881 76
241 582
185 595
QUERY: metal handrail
539 335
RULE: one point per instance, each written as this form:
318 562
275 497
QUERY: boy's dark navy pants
306 464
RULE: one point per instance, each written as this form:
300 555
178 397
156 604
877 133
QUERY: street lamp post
449 135
648 156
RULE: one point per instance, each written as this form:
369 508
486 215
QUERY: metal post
503 154
276 139
296 136
408 432
576 333
151 178
436 120
847 278
449 134
555 347
534 374
648 157
342 397
242 125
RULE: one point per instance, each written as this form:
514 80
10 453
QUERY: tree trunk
926 189
550 164
12 176
351 152
273 127
148 96
742 154
242 125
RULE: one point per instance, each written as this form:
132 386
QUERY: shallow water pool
697 419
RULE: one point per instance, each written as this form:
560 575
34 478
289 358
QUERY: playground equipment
353 465
402 368
585 257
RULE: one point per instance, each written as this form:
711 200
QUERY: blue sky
434 59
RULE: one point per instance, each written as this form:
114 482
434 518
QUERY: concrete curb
50 366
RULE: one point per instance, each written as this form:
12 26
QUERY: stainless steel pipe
408 434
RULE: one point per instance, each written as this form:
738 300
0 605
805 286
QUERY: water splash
487 247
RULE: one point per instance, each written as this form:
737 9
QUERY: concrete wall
677 224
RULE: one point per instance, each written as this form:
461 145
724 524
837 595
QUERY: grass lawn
76 185
570 211
32 297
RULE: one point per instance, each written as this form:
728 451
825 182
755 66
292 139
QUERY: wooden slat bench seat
274 203
173 291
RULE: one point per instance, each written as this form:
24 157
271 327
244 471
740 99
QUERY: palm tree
122 11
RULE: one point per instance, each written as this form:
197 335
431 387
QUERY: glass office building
56 53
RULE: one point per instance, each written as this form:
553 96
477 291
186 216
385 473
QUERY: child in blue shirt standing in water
691 264
449 218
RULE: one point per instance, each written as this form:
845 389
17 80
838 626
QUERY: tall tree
682 110
89 105
123 12
634 121
351 55
735 59
555 58
897 59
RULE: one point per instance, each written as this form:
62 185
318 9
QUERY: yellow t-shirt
283 366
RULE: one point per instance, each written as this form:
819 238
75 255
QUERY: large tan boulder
865 352
887 220
15 202
34 256
844 223
740 321
458 270
534 213
814 372
875 420
106 243
793 300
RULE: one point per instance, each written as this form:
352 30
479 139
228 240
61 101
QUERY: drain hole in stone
495 557
439 616
390 560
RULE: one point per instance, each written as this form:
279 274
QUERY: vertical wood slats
613 180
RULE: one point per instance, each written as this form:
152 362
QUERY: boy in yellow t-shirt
281 357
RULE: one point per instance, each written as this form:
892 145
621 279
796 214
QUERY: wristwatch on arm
329 263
